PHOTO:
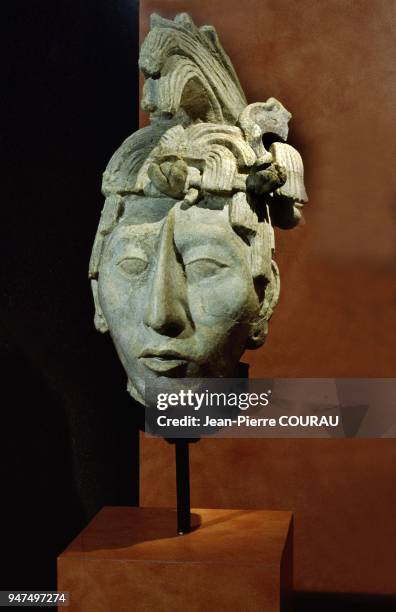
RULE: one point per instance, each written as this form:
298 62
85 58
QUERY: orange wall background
331 63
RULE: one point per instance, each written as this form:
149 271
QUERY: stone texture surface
182 267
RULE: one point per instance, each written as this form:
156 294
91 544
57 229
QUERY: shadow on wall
68 448
69 441
335 602
41 507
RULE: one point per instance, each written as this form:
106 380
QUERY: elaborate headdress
205 141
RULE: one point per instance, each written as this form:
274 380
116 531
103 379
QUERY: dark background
69 437
69 441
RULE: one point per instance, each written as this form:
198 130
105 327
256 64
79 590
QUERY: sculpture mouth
163 360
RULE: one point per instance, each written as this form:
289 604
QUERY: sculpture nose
167 309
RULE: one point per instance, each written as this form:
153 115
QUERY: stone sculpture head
182 267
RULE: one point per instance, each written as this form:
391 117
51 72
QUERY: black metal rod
183 486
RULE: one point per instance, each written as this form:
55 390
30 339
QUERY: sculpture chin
133 392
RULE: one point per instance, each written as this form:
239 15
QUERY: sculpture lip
163 354
162 360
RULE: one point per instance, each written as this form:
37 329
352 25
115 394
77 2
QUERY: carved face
176 291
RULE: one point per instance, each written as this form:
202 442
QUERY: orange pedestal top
131 559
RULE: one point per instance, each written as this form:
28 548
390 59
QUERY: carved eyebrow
128 230
133 234
128 250
197 235
210 253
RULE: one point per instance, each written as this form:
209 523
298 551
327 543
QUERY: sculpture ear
268 295
99 319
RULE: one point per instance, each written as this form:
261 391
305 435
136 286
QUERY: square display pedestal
131 560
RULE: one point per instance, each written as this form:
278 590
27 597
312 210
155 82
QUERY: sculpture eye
133 266
203 268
